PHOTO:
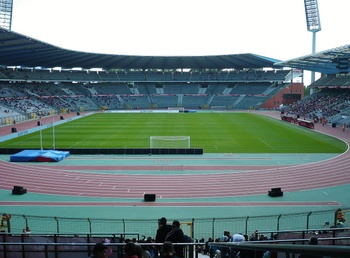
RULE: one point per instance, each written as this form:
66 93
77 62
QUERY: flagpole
41 136
53 133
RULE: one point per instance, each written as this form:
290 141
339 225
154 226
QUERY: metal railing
196 228
279 247
77 249
253 248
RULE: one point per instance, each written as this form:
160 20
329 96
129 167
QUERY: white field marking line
24 140
267 144
216 147
325 193
78 142
149 123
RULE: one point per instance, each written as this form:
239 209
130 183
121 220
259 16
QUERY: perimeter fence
194 227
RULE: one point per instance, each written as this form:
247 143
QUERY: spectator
162 232
132 250
341 224
312 241
176 235
150 248
226 237
238 238
5 220
26 231
207 247
107 241
168 250
100 251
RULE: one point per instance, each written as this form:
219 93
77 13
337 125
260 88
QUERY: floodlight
6 14
313 22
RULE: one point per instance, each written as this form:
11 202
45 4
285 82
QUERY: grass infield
214 132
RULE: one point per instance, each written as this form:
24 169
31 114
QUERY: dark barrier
301 122
19 190
275 192
149 197
287 118
307 124
136 151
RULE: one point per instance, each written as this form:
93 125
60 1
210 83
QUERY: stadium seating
73 90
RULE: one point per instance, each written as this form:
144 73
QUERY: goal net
217 108
170 142
180 109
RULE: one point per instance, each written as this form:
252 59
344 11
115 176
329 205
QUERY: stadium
217 142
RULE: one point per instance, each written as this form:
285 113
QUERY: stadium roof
328 61
20 50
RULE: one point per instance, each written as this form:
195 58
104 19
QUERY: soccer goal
170 142
180 109
217 108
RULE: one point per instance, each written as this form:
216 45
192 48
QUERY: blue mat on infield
39 156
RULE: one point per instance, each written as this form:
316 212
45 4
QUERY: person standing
176 235
162 232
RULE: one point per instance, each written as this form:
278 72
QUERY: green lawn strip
214 132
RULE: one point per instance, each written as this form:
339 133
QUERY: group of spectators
166 235
24 104
169 242
165 244
324 104
224 252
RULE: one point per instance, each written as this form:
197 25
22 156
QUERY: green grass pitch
214 132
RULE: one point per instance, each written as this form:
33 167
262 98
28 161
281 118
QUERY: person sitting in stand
26 231
168 250
312 241
100 251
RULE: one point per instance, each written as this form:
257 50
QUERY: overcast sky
272 28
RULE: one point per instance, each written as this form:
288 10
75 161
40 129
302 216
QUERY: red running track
328 173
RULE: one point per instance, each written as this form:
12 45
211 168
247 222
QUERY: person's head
176 224
133 250
167 248
162 221
313 240
100 250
